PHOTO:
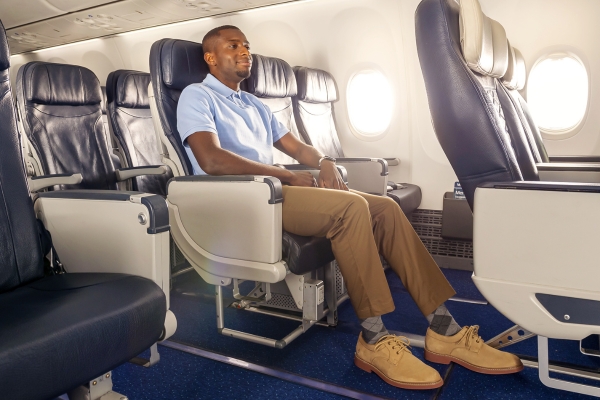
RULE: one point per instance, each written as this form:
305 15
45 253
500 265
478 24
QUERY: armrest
38 183
569 172
392 162
128 173
369 175
315 171
229 226
109 231
536 237
575 159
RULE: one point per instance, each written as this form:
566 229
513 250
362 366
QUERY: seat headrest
516 74
4 50
483 40
270 77
61 84
182 63
132 90
315 85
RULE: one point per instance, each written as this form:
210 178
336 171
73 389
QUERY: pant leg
344 218
400 245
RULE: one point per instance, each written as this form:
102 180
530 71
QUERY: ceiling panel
116 17
75 5
21 12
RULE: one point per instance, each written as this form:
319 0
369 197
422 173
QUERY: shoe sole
442 359
365 366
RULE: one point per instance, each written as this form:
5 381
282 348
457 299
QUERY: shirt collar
218 86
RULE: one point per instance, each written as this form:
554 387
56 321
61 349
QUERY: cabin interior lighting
557 93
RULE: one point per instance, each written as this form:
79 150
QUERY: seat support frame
253 299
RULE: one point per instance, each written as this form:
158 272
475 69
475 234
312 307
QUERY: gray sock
373 329
442 322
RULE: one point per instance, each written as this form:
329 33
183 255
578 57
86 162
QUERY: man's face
230 56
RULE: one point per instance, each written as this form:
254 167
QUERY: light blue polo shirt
244 125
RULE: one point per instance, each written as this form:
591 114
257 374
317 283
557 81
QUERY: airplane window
557 93
370 102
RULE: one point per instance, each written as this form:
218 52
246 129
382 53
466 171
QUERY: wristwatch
326 158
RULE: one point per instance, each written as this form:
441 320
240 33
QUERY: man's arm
329 177
215 160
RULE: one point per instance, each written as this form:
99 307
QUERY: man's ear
210 58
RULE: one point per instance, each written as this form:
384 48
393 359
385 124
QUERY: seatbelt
52 264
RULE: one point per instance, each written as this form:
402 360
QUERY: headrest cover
315 85
483 40
132 90
270 77
4 51
182 64
61 84
516 74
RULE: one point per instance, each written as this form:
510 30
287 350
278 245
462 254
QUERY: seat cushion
407 196
61 331
306 253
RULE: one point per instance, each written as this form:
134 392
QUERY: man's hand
302 178
330 177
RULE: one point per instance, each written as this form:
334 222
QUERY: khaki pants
362 226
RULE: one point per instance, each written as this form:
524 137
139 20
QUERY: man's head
227 53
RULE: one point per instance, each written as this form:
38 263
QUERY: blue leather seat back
272 80
61 110
131 123
464 104
21 258
313 110
175 64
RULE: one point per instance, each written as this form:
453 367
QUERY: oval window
557 93
370 102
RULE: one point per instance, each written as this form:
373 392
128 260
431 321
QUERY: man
227 131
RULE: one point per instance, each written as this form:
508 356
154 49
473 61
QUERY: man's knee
356 204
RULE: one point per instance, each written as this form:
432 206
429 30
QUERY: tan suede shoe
391 359
468 349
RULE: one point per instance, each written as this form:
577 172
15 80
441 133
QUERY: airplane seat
61 103
313 111
229 227
273 82
131 123
60 107
520 253
62 330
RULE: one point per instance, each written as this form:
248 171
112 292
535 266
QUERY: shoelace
472 335
397 342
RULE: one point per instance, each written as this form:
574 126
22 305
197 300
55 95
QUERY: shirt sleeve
278 129
195 113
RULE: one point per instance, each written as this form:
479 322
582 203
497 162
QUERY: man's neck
231 84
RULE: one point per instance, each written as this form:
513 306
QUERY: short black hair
211 35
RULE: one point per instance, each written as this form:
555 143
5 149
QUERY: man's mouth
245 63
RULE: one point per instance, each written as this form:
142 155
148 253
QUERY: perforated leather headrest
182 64
61 84
132 90
516 74
4 51
483 40
270 77
315 85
